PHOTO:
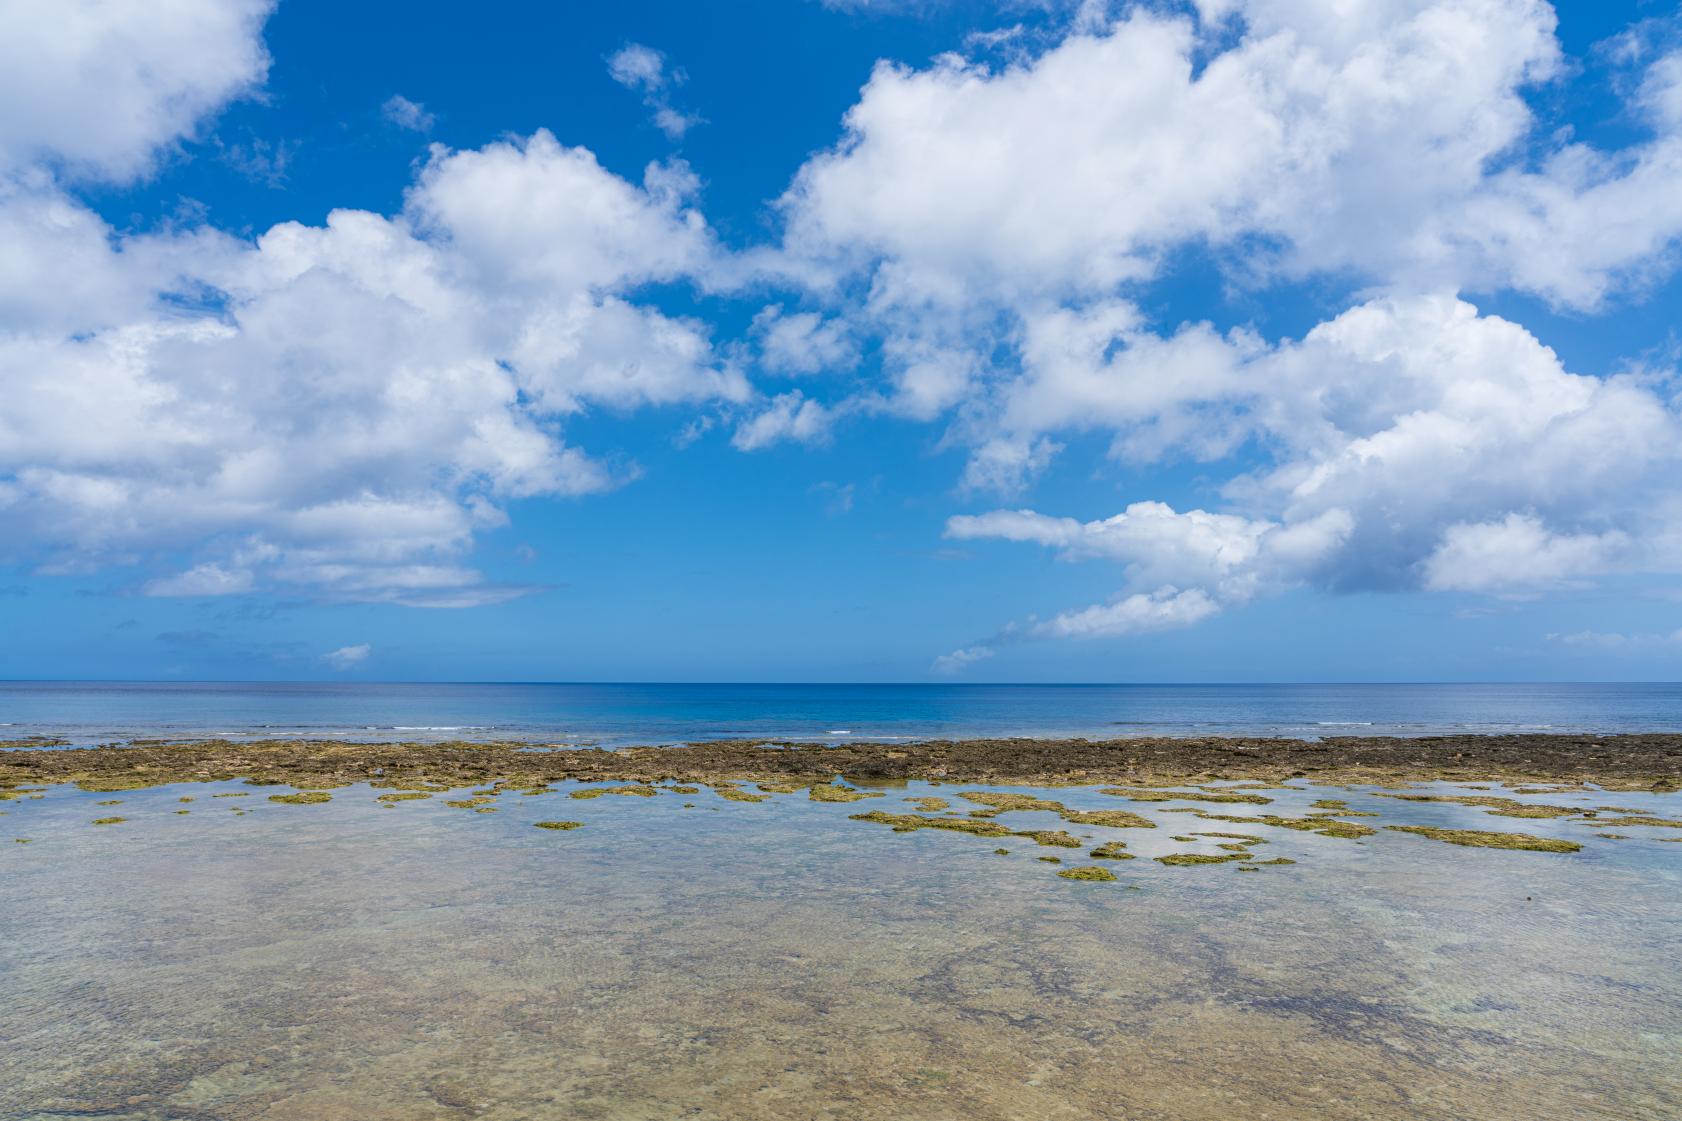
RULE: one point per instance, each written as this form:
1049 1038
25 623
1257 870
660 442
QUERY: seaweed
559 825
1657 822
109 820
1500 807
388 799
1137 795
1178 859
1089 872
1112 850
930 805
1053 837
906 823
1111 819
820 792
1477 838
316 797
731 794
1002 803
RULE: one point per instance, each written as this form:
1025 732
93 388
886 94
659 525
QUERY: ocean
620 714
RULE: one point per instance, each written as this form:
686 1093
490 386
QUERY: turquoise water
682 955
630 713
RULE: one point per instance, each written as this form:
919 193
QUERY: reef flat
1626 762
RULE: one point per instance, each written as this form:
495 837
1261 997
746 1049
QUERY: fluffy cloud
999 230
788 417
100 89
335 409
1412 444
1023 208
803 342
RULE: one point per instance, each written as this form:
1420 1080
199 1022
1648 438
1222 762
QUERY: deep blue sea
618 714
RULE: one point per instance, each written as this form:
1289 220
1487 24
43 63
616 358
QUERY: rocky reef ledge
1628 762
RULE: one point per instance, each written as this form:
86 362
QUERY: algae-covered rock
731 794
1054 837
316 797
1005 802
1478 838
388 799
633 790
109 820
1137 795
1501 807
110 802
1657 822
558 824
930 805
1109 819
1177 859
1113 850
906 823
1089 872
837 793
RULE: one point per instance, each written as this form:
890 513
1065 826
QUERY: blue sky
1243 340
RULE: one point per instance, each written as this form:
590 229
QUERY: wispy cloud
643 69
403 113
348 657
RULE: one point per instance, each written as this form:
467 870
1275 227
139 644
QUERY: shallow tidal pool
689 955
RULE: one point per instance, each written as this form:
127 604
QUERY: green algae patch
1137 795
1478 838
836 793
1051 859
1249 837
110 802
1110 819
907 823
1001 852
109 820
117 785
634 790
782 787
1325 826
1179 859
468 803
558 825
1657 822
731 794
1500 807
1089 872
684 789
1001 803
388 799
1269 863
311 798
1055 838
233 794
1113 850
930 805
1336 805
